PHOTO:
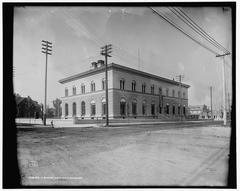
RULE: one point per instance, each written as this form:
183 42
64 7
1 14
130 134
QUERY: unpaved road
158 155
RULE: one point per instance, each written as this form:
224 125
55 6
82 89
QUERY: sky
141 40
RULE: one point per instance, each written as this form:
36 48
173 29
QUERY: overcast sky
77 33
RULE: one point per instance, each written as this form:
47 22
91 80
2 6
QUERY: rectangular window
133 86
74 90
66 92
178 110
103 84
160 91
93 87
122 84
143 88
83 89
152 89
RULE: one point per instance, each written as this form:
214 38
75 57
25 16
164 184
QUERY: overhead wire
179 15
182 31
98 41
200 29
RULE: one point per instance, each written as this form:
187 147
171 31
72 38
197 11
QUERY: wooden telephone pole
211 101
105 51
180 96
47 50
224 89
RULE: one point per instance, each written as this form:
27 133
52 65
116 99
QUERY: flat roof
122 68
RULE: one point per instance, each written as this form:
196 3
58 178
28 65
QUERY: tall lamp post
47 50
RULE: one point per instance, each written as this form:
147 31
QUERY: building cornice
116 89
114 66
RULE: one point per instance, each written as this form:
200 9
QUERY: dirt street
147 155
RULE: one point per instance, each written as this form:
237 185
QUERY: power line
181 30
179 15
98 41
195 24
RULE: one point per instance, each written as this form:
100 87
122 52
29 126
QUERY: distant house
26 107
199 112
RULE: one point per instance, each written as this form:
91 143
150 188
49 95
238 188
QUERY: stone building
131 93
199 112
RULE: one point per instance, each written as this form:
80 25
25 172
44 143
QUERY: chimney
94 65
100 63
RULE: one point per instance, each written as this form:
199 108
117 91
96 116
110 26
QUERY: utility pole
211 101
47 50
224 89
229 103
229 106
180 97
105 51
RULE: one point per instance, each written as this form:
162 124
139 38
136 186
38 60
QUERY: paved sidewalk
102 125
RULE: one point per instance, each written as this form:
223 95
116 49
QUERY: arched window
160 108
173 109
122 83
83 109
134 107
179 109
66 109
74 108
173 93
66 92
93 108
153 108
179 94
122 106
104 109
184 110
133 85
144 107
167 108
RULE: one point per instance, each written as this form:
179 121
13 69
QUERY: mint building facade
131 93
